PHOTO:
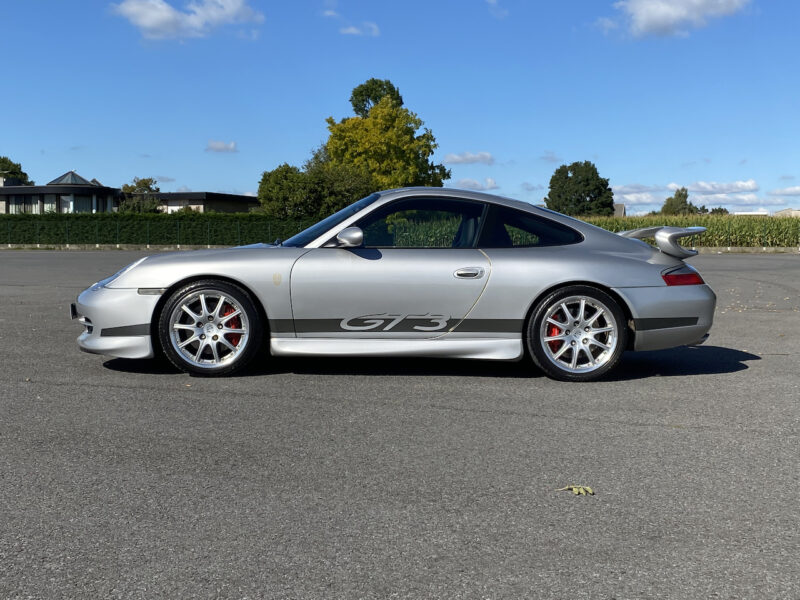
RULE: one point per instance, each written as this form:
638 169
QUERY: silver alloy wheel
208 329
579 334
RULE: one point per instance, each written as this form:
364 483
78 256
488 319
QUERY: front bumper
116 322
670 316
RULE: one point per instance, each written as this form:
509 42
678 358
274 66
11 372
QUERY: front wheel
577 333
210 328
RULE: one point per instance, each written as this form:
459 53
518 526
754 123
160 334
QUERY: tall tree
283 193
316 191
387 146
372 91
578 190
140 196
9 169
678 204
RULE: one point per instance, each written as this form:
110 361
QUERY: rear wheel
210 328
577 333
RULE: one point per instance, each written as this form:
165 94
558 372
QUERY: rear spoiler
666 238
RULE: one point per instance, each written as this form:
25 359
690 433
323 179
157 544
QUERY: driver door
416 276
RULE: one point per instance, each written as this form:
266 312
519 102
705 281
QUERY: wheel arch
623 304
262 312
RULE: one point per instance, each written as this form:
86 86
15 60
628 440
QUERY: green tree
9 169
372 91
578 189
719 210
283 193
318 190
678 204
386 145
139 196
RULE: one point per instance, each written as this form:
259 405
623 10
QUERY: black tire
584 346
210 328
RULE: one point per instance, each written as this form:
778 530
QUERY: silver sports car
411 272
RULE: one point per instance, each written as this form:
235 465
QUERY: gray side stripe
126 331
663 323
334 325
490 326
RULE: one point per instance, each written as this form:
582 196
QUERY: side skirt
487 349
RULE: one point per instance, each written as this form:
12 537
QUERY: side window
423 223
509 228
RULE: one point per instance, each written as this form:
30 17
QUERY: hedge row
237 229
154 229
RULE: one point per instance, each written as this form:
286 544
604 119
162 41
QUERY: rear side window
509 228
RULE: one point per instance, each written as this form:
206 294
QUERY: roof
71 178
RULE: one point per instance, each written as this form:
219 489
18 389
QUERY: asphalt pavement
353 478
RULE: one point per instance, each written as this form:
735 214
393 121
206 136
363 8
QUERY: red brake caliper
552 330
234 323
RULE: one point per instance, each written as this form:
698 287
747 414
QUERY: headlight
108 280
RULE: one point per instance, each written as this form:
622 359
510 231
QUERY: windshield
309 235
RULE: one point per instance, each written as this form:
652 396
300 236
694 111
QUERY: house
69 193
72 193
205 202
787 212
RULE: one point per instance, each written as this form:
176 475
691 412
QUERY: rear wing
666 238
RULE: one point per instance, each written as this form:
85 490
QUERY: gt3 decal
389 322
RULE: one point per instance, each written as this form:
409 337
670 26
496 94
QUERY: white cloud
184 188
606 25
530 187
638 199
468 158
473 184
218 146
251 194
714 187
497 11
366 28
789 191
157 19
674 17
550 156
741 194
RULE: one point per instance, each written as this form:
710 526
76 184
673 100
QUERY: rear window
509 228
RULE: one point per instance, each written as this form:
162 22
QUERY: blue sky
206 95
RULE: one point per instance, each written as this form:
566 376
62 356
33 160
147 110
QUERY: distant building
69 193
752 213
205 202
72 193
787 212
619 210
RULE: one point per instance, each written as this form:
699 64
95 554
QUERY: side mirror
350 237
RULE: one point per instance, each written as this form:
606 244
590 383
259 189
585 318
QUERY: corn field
722 230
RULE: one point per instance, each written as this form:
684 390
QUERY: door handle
469 273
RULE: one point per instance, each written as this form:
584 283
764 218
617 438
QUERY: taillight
686 275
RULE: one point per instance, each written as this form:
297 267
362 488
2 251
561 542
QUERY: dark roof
71 178
205 196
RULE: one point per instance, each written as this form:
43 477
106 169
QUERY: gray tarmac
321 478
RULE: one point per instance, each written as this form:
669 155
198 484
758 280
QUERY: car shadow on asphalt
701 360
421 367
682 361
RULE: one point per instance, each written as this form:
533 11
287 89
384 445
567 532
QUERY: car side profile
428 272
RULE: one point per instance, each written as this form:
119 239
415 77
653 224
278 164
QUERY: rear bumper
670 316
116 322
